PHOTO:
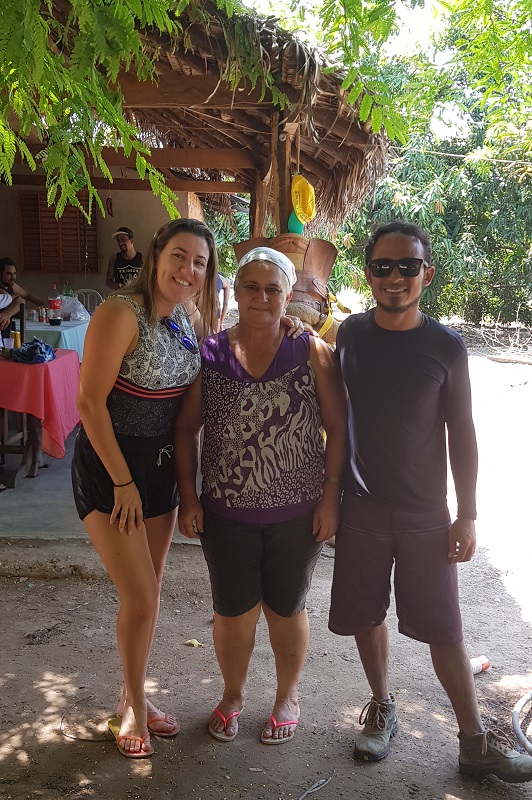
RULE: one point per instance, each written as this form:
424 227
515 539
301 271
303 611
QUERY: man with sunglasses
408 384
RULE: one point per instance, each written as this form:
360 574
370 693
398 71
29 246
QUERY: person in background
140 357
409 392
271 486
8 283
195 316
222 286
5 302
125 265
9 306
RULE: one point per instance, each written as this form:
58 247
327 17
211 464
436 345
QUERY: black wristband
120 485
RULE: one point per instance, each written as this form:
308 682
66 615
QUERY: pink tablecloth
47 391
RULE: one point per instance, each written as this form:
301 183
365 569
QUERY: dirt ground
60 678
59 673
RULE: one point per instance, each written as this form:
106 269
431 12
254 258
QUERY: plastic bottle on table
480 664
67 290
15 332
54 306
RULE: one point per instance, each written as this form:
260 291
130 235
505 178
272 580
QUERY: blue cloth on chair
34 352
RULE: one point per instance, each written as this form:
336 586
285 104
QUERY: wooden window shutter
68 244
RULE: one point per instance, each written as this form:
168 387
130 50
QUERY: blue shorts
371 540
270 562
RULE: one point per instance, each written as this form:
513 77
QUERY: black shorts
151 463
250 563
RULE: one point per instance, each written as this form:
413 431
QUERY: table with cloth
67 336
47 394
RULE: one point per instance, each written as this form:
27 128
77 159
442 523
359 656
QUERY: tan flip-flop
114 726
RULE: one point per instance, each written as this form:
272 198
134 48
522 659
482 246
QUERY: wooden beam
258 207
223 158
176 90
209 126
125 184
343 127
312 166
232 132
168 174
172 60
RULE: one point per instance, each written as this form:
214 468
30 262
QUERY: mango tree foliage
487 43
58 75
479 215
492 42
352 35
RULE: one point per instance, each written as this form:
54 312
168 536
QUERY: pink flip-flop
271 740
222 735
169 719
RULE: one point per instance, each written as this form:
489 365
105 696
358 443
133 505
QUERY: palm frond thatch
339 156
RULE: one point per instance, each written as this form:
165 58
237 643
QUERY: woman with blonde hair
140 357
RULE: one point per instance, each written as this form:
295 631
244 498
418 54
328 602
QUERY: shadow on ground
60 673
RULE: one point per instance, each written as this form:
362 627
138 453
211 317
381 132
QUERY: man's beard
399 309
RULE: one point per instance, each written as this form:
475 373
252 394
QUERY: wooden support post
284 181
258 207
284 143
282 137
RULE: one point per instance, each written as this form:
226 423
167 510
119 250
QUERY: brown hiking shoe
492 754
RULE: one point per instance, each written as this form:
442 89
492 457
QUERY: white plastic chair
90 298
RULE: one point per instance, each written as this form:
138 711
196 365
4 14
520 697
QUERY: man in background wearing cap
124 265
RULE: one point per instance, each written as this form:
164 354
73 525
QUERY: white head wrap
273 257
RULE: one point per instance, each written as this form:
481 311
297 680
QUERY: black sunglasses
188 343
408 267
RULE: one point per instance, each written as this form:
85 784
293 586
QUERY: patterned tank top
152 379
263 451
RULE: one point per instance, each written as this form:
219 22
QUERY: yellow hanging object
341 307
329 320
303 199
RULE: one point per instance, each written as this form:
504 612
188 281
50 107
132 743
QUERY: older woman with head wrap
271 483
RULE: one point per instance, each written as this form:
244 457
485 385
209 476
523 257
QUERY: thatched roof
195 106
